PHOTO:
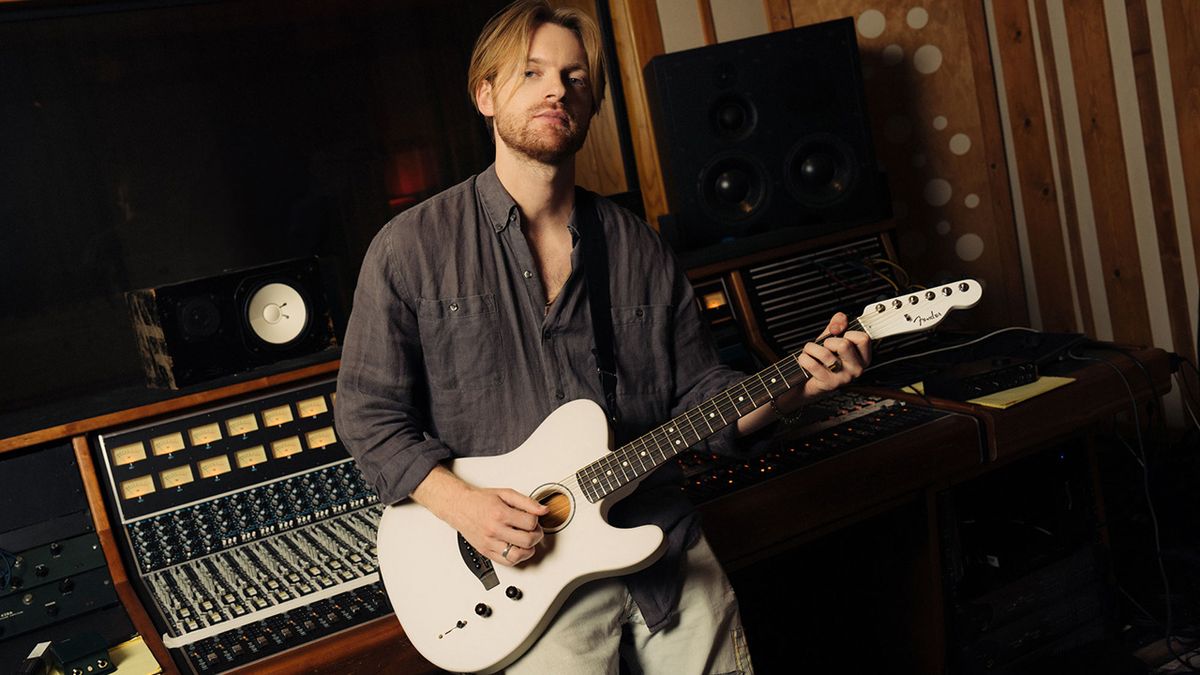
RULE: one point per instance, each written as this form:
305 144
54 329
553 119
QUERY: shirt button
639 312
527 274
559 395
454 307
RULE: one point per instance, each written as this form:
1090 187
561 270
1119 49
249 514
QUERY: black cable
1141 447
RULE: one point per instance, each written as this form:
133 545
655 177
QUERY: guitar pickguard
480 566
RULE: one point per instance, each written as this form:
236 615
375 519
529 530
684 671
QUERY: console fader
249 528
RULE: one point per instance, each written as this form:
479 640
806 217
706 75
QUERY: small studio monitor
765 140
200 329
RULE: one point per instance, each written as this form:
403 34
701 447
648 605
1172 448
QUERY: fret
641 454
786 384
706 418
688 416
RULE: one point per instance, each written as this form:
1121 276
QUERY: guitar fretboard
646 453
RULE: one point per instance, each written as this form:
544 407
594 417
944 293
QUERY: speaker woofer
277 314
199 318
734 189
821 171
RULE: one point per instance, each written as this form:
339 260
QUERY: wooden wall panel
1181 20
1158 174
1099 120
1031 140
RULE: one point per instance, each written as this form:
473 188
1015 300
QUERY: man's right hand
490 519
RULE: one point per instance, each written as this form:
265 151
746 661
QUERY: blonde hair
504 44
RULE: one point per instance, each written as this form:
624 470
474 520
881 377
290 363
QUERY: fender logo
934 315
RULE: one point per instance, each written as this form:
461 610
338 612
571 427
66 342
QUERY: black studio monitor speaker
201 329
765 140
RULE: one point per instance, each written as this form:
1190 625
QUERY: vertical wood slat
1159 176
1182 21
997 166
1066 179
707 23
1091 65
779 14
638 36
1031 144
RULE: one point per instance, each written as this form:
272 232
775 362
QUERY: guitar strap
595 267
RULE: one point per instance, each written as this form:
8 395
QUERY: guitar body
433 587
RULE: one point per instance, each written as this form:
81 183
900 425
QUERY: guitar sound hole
560 510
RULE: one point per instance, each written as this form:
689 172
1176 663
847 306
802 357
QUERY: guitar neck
915 311
651 450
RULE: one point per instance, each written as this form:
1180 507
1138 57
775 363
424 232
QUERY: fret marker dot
643 453
772 380
671 429
624 463
741 398
595 480
676 442
710 414
609 472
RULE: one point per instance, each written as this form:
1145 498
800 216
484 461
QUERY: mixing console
836 424
250 528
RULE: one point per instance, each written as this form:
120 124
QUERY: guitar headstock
920 310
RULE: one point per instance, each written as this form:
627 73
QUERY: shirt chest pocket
461 341
643 348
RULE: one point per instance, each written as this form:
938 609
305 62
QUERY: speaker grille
794 297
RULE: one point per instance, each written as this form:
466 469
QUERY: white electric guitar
466 615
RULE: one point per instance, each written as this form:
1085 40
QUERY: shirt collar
500 207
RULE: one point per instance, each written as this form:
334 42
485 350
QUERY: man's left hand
840 357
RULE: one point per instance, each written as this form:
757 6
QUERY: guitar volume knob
513 593
483 610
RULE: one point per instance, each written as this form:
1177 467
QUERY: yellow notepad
1008 397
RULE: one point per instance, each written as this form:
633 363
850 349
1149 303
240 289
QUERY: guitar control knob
513 592
483 610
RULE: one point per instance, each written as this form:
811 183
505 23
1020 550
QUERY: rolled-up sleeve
381 382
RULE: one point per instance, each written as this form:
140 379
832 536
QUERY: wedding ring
835 366
504 553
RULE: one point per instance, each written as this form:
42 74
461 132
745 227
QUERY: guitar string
872 323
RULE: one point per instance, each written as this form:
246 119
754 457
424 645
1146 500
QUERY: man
471 324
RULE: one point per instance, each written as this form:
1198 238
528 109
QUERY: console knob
513 592
41 570
55 548
483 610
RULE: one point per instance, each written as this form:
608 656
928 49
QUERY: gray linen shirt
450 351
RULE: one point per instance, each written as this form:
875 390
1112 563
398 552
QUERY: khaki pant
705 638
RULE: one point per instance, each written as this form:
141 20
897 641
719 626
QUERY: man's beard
547 146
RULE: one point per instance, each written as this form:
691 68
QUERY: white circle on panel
969 247
938 191
897 129
871 23
942 227
927 59
917 18
893 54
940 122
277 313
960 144
918 160
971 201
